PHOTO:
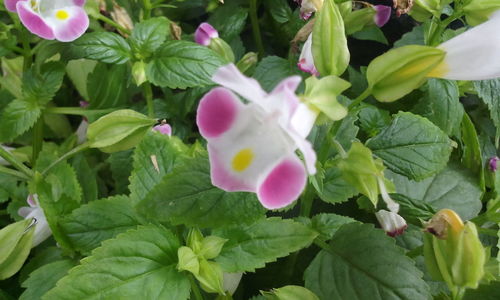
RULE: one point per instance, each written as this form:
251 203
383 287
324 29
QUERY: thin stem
256 28
28 58
37 139
148 94
360 98
114 24
15 173
458 293
147 9
69 154
77 111
306 201
195 289
15 163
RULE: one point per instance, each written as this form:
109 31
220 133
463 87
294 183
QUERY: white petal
474 54
42 229
231 281
306 59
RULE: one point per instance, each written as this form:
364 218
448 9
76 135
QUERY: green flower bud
290 292
211 246
329 43
188 260
139 72
399 71
424 9
453 252
194 240
247 63
221 47
210 277
118 131
15 245
479 11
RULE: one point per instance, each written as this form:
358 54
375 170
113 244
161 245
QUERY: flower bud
308 7
139 72
211 246
306 59
222 48
479 11
453 252
204 34
188 261
382 15
210 277
392 223
247 62
493 163
163 128
118 131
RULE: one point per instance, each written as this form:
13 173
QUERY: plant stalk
114 24
15 163
195 289
256 28
148 94
67 155
15 173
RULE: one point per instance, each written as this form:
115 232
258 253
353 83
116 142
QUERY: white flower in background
306 59
392 223
42 229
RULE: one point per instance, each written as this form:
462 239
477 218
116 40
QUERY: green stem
148 94
77 111
458 293
28 58
147 9
256 28
69 154
360 98
114 24
15 163
37 139
306 201
14 173
195 289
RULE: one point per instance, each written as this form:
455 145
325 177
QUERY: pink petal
74 27
80 3
204 34
164 129
283 185
11 4
230 77
33 21
383 14
217 111
223 179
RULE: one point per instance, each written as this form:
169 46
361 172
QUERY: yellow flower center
62 14
242 160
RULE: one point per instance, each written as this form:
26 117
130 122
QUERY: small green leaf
211 246
188 260
472 157
106 88
41 88
290 292
89 225
44 279
182 64
361 262
104 46
412 146
335 188
17 118
488 91
251 247
140 263
373 119
149 35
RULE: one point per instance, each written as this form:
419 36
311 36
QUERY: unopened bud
392 223
247 62
204 34
493 163
163 128
139 72
222 48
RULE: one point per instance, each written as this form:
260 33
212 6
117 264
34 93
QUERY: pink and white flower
252 146
306 59
382 14
204 34
63 20
163 128
42 229
392 223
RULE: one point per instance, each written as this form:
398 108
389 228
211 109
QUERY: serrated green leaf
413 210
17 118
412 146
149 35
441 105
41 88
182 64
373 119
106 47
140 264
153 158
251 247
362 263
328 224
335 188
187 196
454 188
44 279
229 19
488 91
89 225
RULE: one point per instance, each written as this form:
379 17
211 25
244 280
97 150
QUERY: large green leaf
154 157
41 88
272 69
89 225
138 264
149 35
440 104
182 64
106 87
106 47
187 196
17 118
251 247
364 263
335 188
484 292
455 188
45 278
412 146
488 91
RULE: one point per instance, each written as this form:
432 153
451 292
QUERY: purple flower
63 20
163 128
42 229
382 15
252 146
306 60
493 163
392 223
204 34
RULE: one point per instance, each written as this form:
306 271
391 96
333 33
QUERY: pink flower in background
306 60
493 163
42 229
308 7
63 20
204 34
252 146
382 15
163 128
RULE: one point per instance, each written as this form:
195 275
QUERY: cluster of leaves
118 220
